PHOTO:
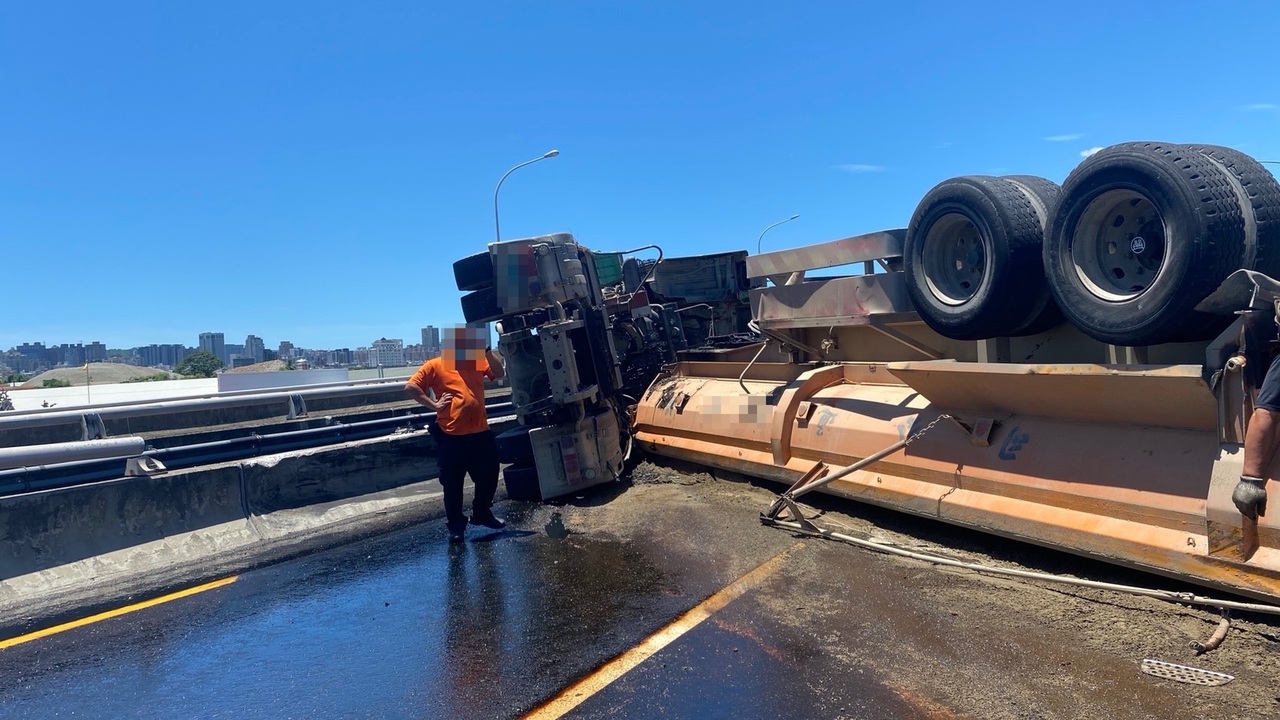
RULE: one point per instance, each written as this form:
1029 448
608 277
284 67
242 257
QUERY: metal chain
926 429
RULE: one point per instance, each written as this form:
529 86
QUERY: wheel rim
1119 246
954 257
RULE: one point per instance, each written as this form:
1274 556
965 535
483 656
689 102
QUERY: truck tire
972 258
1142 233
481 306
514 446
1257 189
1044 195
522 482
474 272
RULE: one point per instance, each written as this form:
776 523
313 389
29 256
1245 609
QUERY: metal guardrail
25 455
60 475
93 416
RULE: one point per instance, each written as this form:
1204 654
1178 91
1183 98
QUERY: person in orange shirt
453 386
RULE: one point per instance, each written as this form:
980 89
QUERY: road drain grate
1185 674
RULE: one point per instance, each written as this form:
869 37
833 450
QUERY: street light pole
496 231
762 232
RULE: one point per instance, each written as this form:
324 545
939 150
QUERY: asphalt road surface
664 597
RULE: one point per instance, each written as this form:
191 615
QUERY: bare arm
420 396
495 364
1260 440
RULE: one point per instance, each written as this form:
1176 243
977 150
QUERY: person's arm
417 391
420 396
1260 440
1261 436
496 369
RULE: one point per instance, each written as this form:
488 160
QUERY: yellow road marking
114 613
583 689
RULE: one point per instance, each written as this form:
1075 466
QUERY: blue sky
309 170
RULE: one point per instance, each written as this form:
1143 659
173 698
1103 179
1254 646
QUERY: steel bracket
770 516
979 430
297 407
682 399
92 427
143 466
804 411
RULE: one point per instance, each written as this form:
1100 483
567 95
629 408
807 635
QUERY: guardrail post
297 407
92 427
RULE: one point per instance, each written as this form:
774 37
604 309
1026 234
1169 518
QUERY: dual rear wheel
1135 238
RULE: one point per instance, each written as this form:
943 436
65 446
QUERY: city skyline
35 355
196 345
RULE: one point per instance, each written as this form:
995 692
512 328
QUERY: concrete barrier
57 540
284 482
66 551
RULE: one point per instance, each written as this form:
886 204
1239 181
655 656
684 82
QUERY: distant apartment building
166 356
415 355
32 357
286 351
341 357
95 352
431 340
253 347
10 359
232 350
214 344
387 353
66 354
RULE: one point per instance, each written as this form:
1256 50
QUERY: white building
387 353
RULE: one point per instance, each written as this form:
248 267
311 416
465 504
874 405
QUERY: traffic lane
743 663
402 626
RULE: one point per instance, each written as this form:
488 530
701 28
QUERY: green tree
16 378
199 364
149 378
55 382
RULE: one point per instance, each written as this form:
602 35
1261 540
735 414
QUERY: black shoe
487 519
456 537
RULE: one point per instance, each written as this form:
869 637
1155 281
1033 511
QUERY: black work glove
1250 497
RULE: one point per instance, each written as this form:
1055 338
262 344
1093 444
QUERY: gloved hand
1250 497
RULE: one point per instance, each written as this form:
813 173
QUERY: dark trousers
458 456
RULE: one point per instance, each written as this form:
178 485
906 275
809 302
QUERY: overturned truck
1068 366
583 334
1071 366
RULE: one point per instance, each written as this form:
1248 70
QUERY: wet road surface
406 626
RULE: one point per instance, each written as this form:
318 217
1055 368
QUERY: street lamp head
497 230
760 239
